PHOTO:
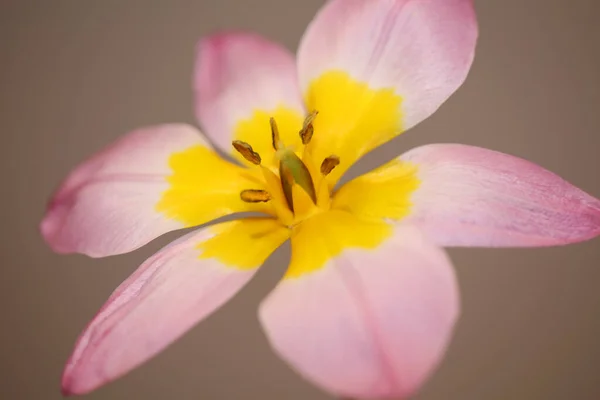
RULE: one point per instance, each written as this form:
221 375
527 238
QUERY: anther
246 151
306 133
276 141
329 164
255 196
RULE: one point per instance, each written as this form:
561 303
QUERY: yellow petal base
203 186
259 237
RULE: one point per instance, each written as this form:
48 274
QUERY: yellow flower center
296 185
291 176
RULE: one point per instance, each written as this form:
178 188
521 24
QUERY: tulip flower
368 303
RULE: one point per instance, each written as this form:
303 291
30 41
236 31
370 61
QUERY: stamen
306 133
329 164
246 151
276 141
255 196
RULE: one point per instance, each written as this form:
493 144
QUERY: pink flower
368 304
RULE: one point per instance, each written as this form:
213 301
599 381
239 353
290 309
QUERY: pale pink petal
237 74
469 196
106 205
370 324
122 198
166 296
421 49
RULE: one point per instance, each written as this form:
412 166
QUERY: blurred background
75 75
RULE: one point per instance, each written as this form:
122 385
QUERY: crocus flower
369 300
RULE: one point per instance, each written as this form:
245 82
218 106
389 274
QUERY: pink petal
106 205
422 50
166 296
470 196
109 204
237 74
370 324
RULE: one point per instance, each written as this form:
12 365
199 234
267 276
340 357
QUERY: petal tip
71 386
66 391
50 226
209 47
593 218
212 53
222 38
583 221
214 49
79 379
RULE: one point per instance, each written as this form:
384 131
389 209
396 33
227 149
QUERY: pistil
292 170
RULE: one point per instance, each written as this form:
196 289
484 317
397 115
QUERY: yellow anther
329 164
306 133
246 151
255 196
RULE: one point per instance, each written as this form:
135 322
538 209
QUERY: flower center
297 188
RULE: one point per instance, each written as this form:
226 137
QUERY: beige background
75 74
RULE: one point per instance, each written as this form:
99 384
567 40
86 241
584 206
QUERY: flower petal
374 68
470 196
166 296
370 323
149 182
241 80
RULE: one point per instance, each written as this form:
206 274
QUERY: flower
368 303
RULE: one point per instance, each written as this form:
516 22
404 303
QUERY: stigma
296 182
